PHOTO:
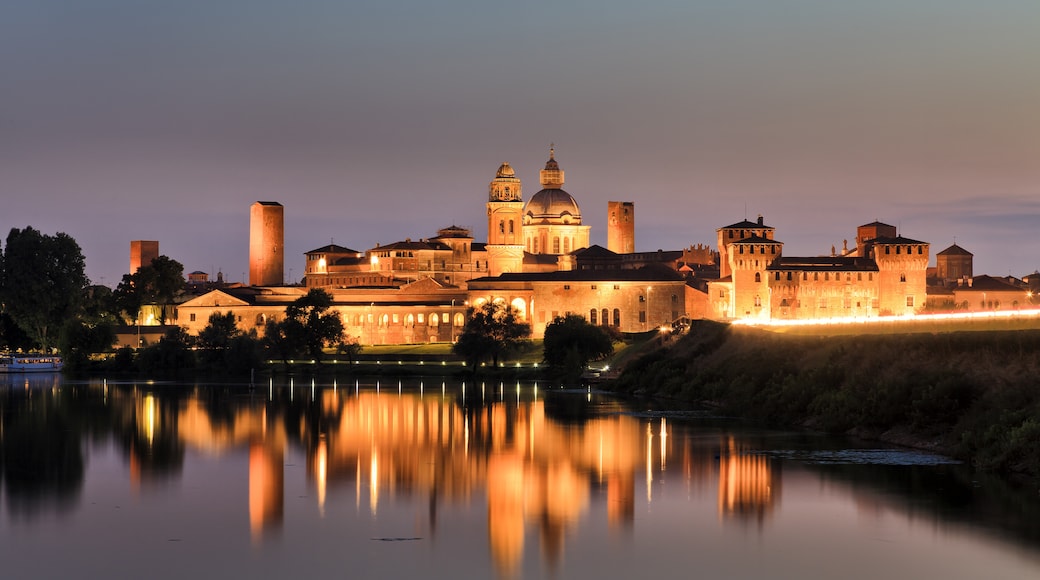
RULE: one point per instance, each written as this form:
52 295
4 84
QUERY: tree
491 331
570 343
92 330
308 328
224 347
156 283
41 282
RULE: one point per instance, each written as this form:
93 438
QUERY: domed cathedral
552 219
505 249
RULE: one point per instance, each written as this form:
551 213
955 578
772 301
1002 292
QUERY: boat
29 363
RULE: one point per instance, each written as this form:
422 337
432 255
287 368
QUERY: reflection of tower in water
266 487
748 484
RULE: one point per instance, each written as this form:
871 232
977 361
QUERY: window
593 286
566 245
420 318
741 249
556 245
758 300
617 287
511 230
816 276
617 317
788 276
192 317
902 277
778 276
910 301
642 316
566 286
888 250
675 298
774 249
859 276
642 298
397 318
758 276
592 317
605 317
751 249
501 226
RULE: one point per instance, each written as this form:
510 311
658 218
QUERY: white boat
29 363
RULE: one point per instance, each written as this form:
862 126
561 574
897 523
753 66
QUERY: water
430 478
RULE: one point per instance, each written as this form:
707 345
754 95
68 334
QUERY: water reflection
543 464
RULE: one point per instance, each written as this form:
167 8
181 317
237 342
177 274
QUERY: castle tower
902 266
734 233
266 243
142 252
621 227
505 206
748 260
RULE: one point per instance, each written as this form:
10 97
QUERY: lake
436 478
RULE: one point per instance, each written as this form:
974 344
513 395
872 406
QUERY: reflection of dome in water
552 204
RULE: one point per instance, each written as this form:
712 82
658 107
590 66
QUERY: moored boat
29 363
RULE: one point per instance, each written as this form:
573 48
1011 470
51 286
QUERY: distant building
142 252
266 244
953 264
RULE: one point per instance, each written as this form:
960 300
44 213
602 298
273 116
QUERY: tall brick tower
266 243
621 227
142 252
505 207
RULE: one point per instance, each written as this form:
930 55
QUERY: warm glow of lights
988 314
664 441
649 462
322 472
373 483
150 405
322 265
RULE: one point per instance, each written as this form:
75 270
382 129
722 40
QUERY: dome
505 170
552 204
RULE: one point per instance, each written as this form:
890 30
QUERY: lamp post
452 322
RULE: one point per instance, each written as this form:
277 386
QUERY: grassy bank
973 395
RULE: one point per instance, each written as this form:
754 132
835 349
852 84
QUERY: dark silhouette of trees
309 327
224 347
491 331
570 343
41 283
156 283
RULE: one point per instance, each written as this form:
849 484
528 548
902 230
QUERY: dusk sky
373 122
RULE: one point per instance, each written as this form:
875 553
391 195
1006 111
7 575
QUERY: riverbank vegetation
972 395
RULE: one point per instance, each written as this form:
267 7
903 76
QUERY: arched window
501 226
902 277
604 317
409 320
511 230
592 317
566 245
434 319
460 319
556 244
758 277
617 317
384 320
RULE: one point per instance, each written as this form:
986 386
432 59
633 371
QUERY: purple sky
376 121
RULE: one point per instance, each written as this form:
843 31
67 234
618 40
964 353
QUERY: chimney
760 222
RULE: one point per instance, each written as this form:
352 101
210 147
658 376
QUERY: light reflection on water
393 478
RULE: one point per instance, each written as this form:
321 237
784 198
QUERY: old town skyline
373 125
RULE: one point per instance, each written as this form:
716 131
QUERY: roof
651 273
595 251
745 225
410 245
332 249
550 203
989 284
757 240
896 240
824 264
955 250
877 224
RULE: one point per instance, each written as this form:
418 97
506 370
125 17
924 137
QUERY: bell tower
505 208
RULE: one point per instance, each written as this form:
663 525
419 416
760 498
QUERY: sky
376 121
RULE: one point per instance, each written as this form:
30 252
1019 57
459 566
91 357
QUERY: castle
538 259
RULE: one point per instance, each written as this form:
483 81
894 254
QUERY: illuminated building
953 264
142 252
552 218
883 276
266 243
505 208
